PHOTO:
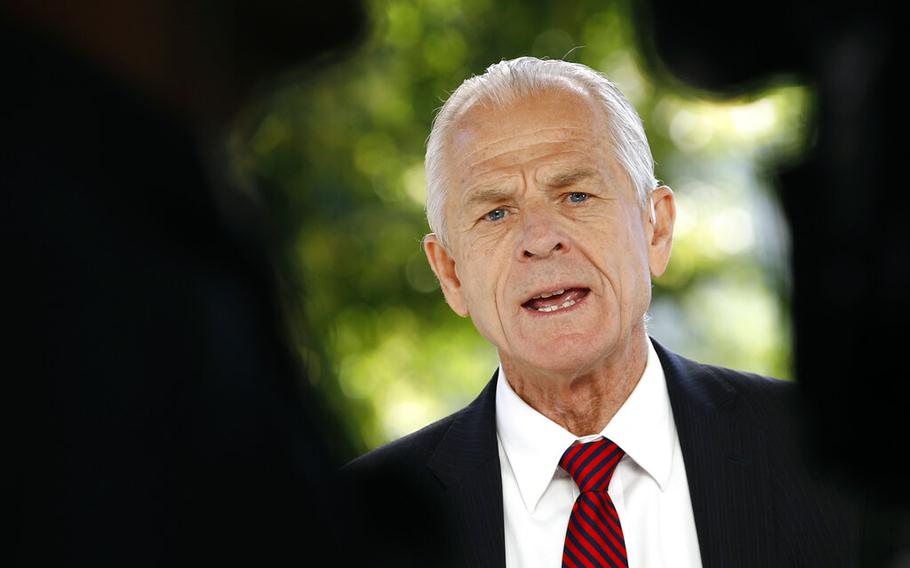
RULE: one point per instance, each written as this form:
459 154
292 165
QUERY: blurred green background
338 162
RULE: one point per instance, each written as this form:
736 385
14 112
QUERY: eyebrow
497 194
487 195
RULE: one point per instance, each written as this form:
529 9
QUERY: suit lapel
726 465
466 461
724 454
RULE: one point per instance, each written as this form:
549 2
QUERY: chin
560 362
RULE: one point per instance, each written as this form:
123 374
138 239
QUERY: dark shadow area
845 211
156 410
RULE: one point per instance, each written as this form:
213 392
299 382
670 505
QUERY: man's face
550 252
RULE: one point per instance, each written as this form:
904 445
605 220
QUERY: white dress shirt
649 487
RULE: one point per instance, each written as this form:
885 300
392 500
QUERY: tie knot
592 465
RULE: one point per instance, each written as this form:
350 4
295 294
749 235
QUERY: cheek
636 274
488 242
475 275
621 258
482 284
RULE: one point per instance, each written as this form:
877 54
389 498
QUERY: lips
554 300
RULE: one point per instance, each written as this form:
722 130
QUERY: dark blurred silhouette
846 214
157 414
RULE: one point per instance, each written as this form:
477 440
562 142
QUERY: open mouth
556 300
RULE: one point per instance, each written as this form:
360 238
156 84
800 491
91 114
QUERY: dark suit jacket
435 497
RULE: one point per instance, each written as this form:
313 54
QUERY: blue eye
578 197
495 215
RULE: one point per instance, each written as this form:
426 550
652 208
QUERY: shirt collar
643 427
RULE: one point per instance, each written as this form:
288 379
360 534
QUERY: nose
541 237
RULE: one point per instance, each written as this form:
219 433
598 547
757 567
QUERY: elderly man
592 445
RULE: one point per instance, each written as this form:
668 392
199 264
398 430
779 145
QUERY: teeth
562 306
548 294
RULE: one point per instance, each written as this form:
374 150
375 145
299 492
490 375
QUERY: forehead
552 115
545 131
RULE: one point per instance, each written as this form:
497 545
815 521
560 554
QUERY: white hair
508 81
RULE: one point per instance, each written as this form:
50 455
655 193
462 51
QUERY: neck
583 402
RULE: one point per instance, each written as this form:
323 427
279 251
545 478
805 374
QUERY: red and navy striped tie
594 536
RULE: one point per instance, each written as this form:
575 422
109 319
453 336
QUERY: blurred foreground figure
592 444
847 215
156 414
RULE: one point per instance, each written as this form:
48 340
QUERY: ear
659 229
443 265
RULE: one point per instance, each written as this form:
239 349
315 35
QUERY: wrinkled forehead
542 123
502 113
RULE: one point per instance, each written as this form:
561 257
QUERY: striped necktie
594 536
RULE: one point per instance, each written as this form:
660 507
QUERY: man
592 445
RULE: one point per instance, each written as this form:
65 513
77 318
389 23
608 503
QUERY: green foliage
340 161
